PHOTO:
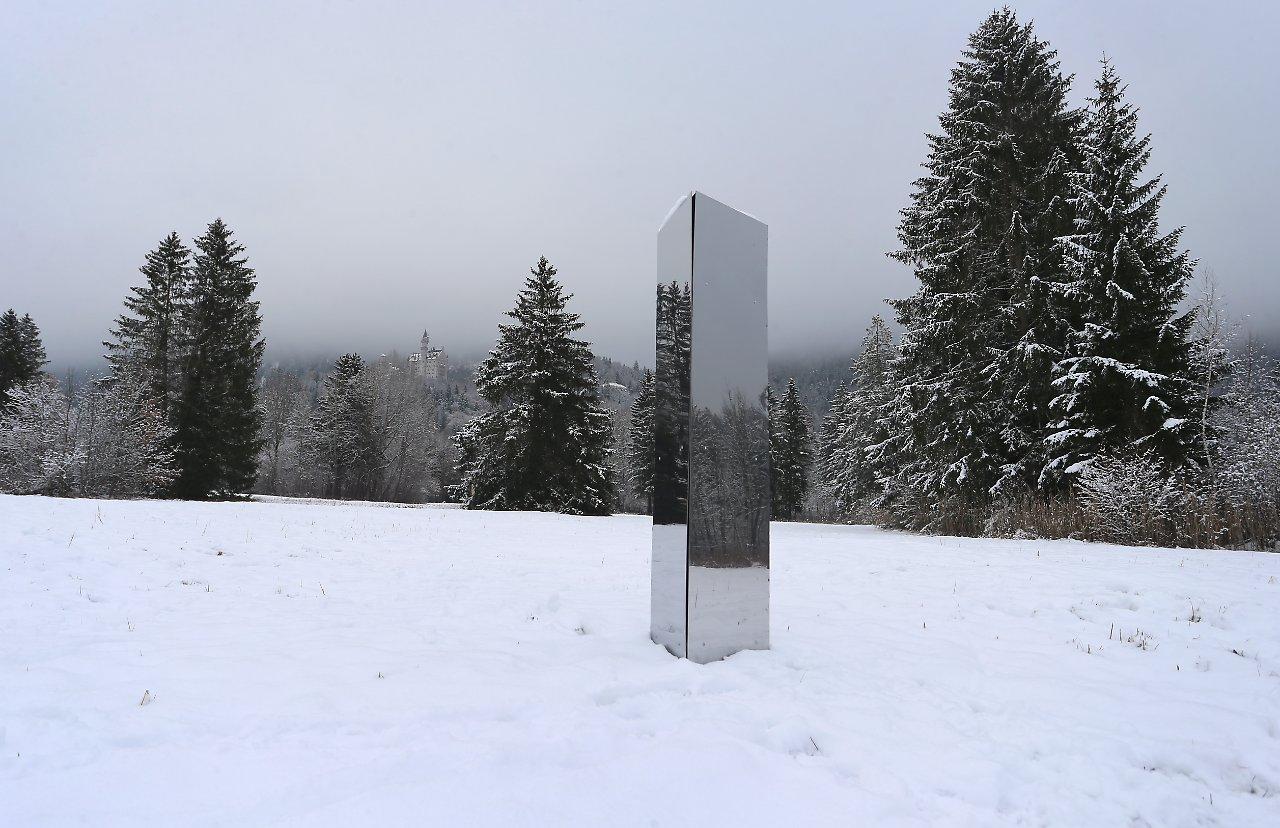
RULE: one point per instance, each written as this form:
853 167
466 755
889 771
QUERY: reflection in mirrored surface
669 593
711 482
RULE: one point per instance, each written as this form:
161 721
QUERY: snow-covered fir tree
978 336
544 444
855 428
148 338
343 439
791 452
640 448
22 354
32 357
830 450
1123 381
217 419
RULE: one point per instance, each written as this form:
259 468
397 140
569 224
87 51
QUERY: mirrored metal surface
729 435
711 432
669 593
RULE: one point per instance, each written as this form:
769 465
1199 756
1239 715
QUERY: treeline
540 426
1049 379
176 413
185 411
366 430
553 438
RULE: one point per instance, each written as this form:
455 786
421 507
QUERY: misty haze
393 169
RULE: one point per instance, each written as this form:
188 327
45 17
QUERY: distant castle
432 364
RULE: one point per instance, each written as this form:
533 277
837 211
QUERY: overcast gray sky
392 167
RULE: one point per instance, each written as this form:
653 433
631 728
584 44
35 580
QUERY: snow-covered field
344 665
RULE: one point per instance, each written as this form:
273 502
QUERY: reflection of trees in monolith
729 485
671 404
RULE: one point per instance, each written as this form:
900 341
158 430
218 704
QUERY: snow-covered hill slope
331 664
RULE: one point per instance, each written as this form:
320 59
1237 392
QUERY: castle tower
432 364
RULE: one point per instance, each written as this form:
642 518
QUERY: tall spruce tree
22 352
31 347
830 451
11 362
640 447
792 453
148 339
856 431
217 420
342 437
1123 383
544 444
979 337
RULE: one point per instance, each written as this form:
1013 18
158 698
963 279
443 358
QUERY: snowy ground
335 664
